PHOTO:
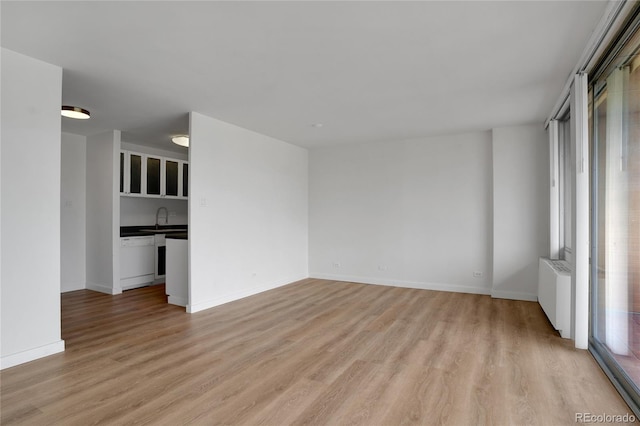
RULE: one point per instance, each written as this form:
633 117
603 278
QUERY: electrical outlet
477 274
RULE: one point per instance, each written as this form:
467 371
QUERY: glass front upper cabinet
154 175
144 175
176 178
171 178
131 179
185 179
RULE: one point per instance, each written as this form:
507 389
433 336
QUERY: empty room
320 212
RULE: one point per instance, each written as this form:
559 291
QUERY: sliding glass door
615 257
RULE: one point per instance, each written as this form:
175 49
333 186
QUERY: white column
580 204
554 191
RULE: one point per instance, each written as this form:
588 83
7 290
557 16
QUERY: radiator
554 293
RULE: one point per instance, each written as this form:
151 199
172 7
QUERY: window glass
565 172
615 257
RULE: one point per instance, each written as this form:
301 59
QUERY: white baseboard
136 282
31 354
201 306
455 288
103 288
175 300
514 295
64 288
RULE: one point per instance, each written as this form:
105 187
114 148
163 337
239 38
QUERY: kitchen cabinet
137 261
131 172
185 179
145 175
177 279
171 177
176 178
154 175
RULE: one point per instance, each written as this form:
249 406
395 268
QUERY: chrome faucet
166 216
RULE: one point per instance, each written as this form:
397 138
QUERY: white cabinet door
171 178
137 261
132 169
184 180
176 178
145 175
154 176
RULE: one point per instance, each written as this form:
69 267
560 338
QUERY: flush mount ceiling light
75 112
182 140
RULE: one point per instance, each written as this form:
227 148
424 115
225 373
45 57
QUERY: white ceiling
368 71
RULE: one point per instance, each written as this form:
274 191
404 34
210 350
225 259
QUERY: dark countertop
143 231
178 236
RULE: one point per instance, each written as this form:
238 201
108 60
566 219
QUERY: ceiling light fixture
182 140
75 112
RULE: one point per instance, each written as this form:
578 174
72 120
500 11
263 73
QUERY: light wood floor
313 352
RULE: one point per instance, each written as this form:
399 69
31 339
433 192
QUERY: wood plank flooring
315 352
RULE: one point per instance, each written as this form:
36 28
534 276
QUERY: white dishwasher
137 261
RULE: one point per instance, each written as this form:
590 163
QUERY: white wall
411 213
73 213
103 212
30 316
139 211
520 209
247 213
